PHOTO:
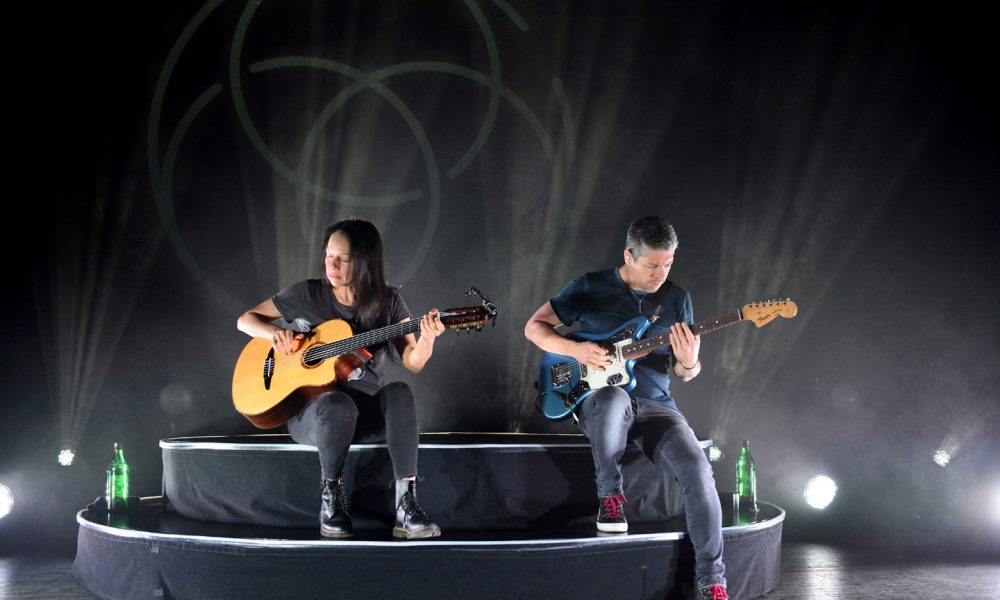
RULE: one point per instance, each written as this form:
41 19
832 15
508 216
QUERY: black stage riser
464 487
117 567
239 520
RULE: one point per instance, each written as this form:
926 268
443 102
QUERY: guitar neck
645 346
362 340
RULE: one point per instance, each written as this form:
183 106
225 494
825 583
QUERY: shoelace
340 499
611 507
339 496
718 592
410 506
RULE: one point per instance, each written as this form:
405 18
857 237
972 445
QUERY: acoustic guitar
269 388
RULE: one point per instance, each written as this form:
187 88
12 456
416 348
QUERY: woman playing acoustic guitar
362 408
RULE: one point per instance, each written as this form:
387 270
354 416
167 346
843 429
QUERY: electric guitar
563 383
269 388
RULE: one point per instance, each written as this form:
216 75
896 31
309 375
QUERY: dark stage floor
808 572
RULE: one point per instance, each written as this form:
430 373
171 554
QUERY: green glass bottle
116 490
746 479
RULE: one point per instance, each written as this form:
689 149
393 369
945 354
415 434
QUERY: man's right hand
592 354
286 341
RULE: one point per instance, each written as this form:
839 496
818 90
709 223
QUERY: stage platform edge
153 553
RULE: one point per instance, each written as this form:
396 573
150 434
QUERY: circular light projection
66 456
6 501
820 491
176 399
715 453
941 457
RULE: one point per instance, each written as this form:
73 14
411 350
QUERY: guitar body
270 388
563 383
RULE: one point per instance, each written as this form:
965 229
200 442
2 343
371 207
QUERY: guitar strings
323 352
638 347
336 348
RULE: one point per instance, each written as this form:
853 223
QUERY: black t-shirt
309 303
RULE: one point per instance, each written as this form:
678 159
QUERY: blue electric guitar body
563 383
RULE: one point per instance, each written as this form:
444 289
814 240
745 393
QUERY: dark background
173 164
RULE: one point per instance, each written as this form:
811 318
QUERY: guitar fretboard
368 338
645 346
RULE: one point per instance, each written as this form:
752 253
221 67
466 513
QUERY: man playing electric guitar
610 417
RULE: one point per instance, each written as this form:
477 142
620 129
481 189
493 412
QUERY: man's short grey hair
650 233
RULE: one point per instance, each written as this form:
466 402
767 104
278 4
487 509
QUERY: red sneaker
610 516
716 591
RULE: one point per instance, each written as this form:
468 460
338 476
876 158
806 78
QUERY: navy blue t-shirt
601 302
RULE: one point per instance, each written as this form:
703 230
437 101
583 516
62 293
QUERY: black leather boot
334 519
411 520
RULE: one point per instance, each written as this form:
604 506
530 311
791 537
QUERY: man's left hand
684 344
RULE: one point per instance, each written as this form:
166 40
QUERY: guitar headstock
470 317
762 313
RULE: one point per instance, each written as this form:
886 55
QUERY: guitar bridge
268 369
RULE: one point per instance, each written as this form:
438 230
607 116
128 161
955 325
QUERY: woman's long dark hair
371 292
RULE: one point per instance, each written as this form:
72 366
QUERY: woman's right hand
286 341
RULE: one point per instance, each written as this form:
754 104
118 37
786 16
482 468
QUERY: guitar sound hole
312 358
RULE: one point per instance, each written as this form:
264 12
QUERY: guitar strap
656 313
655 298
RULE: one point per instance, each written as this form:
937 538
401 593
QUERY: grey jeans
611 419
333 420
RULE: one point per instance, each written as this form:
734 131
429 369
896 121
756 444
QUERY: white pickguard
613 374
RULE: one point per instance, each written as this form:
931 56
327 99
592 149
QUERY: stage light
820 491
6 501
715 453
942 457
66 456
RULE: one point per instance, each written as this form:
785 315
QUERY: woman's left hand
431 325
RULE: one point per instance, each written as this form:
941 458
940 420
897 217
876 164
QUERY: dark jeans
332 421
611 419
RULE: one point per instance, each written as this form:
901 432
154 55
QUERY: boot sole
426 532
336 534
